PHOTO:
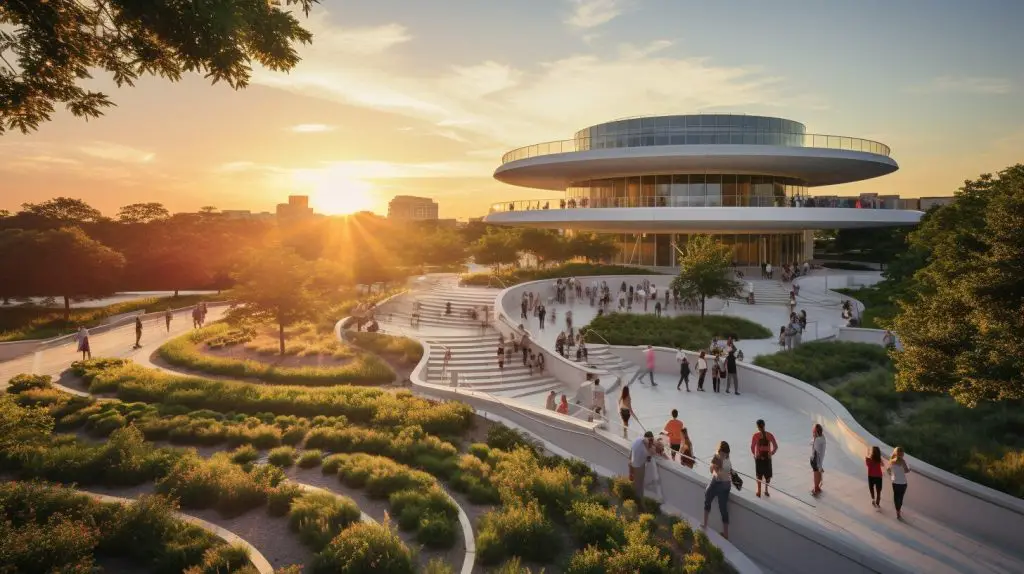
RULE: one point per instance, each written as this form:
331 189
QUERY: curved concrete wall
986 513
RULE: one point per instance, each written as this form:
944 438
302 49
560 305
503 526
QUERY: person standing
202 313
686 456
549 404
763 446
674 429
817 457
138 331
684 370
719 487
196 321
501 356
898 469
167 318
447 359
639 456
625 409
874 463
563 407
702 370
731 376
649 357
83 342
598 398
542 311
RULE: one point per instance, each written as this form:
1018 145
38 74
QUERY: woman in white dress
83 343
817 456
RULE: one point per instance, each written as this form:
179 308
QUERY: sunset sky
422 98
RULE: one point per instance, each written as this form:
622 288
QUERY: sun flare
334 193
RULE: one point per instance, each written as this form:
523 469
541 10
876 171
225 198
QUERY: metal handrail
684 201
684 136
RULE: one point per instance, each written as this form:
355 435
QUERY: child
874 463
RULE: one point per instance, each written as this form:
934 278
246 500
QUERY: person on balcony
561 204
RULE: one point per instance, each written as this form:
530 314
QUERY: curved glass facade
692 130
655 249
688 190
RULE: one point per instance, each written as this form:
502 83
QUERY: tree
434 247
705 270
71 264
4 213
143 213
15 264
544 244
208 210
962 328
591 246
64 210
58 44
275 285
496 247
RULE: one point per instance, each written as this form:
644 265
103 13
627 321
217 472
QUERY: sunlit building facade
652 182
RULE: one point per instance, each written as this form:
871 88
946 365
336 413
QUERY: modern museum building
653 181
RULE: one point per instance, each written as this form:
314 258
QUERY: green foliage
217 483
320 516
623 488
51 43
283 456
310 458
381 476
958 333
359 405
365 548
516 530
705 270
589 560
592 524
497 247
880 304
847 265
438 566
523 275
820 361
279 499
244 454
502 437
24 382
685 331
406 350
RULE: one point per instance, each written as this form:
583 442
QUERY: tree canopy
705 270
142 213
64 210
496 247
56 46
962 327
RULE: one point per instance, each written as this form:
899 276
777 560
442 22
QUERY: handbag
737 480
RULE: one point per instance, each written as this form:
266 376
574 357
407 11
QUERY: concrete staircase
774 292
432 307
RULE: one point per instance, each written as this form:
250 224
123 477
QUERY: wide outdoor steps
475 359
774 292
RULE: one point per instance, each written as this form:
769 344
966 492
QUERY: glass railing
720 138
705 201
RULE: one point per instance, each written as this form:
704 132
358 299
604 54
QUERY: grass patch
687 331
318 517
31 322
524 274
218 483
820 361
310 459
54 529
362 368
403 349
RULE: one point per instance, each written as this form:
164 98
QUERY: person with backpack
763 446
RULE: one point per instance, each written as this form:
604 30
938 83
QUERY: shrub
224 558
217 483
623 488
365 549
245 454
523 274
332 463
517 530
381 476
684 331
24 382
404 349
589 560
480 450
438 566
633 558
682 533
283 456
279 498
260 435
319 516
436 531
502 437
592 524
694 563
820 361
310 458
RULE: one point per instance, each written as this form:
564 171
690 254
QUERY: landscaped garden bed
402 350
524 274
984 444
311 357
686 331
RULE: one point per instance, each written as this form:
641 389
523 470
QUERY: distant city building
926 203
411 208
296 208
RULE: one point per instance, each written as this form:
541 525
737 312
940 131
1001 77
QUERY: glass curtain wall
689 190
655 249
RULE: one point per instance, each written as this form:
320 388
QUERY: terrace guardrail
688 201
696 138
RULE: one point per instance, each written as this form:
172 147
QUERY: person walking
719 487
817 457
138 332
167 318
684 370
598 398
686 456
196 321
549 404
674 429
647 370
898 469
639 456
763 447
83 342
702 370
202 313
731 376
874 463
501 356
625 409
447 359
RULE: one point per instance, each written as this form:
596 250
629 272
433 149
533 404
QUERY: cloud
483 79
116 152
588 14
364 40
311 128
965 85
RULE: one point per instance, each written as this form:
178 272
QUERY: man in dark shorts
763 446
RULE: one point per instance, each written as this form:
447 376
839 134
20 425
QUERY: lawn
984 444
687 331
29 322
524 274
311 357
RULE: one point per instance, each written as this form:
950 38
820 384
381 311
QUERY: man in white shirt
598 398
639 456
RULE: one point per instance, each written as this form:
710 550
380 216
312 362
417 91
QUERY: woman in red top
874 463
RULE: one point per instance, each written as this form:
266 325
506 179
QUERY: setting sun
334 193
